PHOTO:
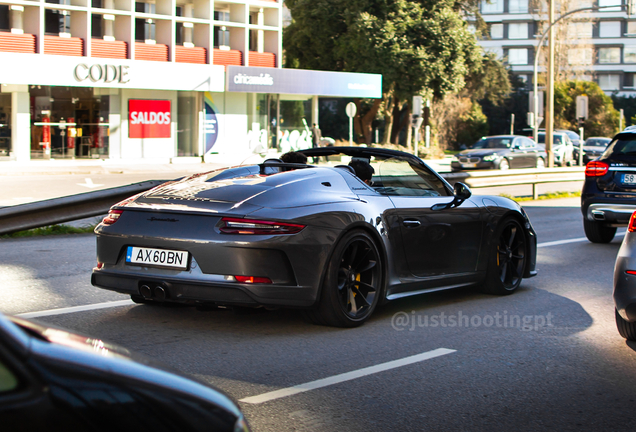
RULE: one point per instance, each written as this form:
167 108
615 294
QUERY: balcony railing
151 52
18 43
228 58
197 55
66 46
262 59
109 49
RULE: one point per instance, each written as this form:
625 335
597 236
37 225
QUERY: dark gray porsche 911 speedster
313 236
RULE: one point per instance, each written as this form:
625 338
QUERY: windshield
621 147
596 142
572 135
488 143
557 139
392 175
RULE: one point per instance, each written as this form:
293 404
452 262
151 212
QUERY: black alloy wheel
508 258
352 284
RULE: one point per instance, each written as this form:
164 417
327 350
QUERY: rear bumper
610 213
193 292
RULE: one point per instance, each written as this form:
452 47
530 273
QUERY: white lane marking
73 309
289 391
574 240
89 183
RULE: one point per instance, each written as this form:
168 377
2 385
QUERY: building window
629 54
221 16
4 18
492 6
609 82
518 56
518 6
609 29
631 27
144 28
96 26
580 56
57 21
616 3
518 31
221 37
580 30
609 55
497 51
496 31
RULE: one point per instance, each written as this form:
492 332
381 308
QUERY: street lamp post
550 97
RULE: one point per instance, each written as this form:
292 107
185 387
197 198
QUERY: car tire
625 328
504 164
597 232
507 258
354 273
540 163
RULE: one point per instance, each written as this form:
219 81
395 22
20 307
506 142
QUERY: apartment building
158 80
598 45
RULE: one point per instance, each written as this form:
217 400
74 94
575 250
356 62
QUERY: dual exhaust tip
156 292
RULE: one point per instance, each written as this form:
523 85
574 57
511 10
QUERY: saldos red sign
149 118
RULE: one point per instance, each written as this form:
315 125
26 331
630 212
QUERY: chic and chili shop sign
149 118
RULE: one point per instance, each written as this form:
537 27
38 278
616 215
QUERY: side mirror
462 193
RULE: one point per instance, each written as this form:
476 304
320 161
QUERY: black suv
608 198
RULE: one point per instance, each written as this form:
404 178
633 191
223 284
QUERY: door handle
411 223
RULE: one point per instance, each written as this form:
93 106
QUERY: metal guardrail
534 177
69 208
96 203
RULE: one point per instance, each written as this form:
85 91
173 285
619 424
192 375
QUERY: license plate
629 178
157 257
469 165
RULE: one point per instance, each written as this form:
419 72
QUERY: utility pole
549 113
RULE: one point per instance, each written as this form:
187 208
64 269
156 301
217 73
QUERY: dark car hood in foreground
78 352
243 190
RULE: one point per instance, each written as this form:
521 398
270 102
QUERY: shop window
187 136
518 6
609 55
518 56
518 31
629 54
69 122
5 124
496 31
609 29
4 18
57 21
609 82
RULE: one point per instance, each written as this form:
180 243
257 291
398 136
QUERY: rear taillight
596 169
632 223
257 227
113 216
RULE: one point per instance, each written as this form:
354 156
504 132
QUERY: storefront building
154 81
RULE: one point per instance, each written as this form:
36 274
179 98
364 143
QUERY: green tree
628 104
418 47
602 116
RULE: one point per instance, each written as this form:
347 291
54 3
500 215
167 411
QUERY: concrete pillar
17 23
315 110
21 124
115 123
260 34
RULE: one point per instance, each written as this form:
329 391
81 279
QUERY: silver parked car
625 284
